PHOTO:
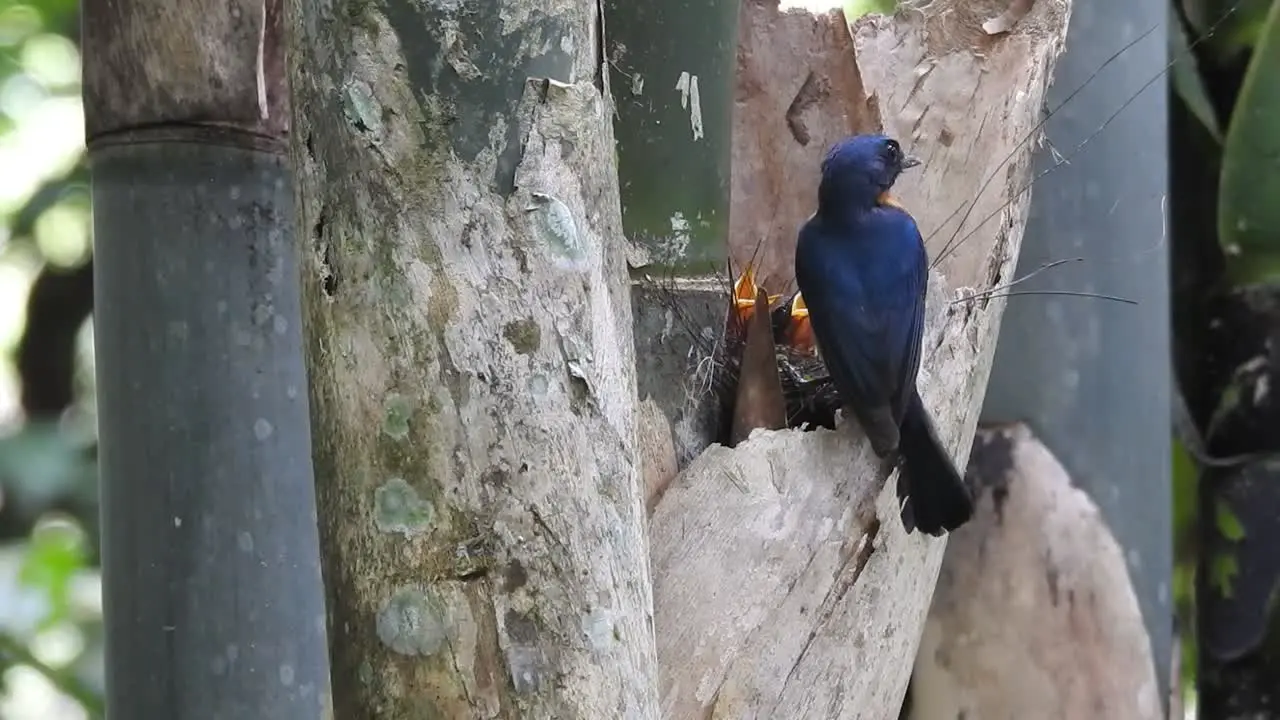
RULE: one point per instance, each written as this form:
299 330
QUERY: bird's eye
892 149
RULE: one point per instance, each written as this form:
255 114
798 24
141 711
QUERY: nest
807 398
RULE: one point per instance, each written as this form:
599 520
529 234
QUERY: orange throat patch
888 200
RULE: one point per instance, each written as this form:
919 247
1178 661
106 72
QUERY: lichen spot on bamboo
399 509
396 411
361 108
412 622
524 335
599 630
263 429
557 229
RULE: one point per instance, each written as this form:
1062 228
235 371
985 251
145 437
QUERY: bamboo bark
473 371
212 598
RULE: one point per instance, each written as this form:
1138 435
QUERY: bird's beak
910 161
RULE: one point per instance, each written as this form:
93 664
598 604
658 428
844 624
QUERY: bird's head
859 171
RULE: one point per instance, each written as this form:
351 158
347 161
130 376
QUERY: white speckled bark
471 355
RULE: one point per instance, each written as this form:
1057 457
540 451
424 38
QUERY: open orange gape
745 290
809 396
790 320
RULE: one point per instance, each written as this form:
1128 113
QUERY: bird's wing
869 321
909 331
853 344
851 336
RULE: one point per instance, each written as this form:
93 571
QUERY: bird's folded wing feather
853 345
912 332
870 345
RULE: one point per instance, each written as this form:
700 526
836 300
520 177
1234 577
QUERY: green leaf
1229 526
1248 210
1188 82
854 9
1223 574
1227 405
1184 588
1185 503
1228 27
54 555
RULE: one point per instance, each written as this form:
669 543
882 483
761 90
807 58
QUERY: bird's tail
934 496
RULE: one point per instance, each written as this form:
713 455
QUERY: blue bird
863 272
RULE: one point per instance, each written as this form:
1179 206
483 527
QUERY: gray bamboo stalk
212 590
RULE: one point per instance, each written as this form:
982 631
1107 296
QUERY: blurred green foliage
1188 83
1228 32
1185 499
50 612
1249 214
1230 28
1226 73
854 9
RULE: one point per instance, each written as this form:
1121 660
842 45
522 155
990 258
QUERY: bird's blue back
863 271
865 276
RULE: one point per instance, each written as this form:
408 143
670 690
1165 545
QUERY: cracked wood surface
784 584
798 91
